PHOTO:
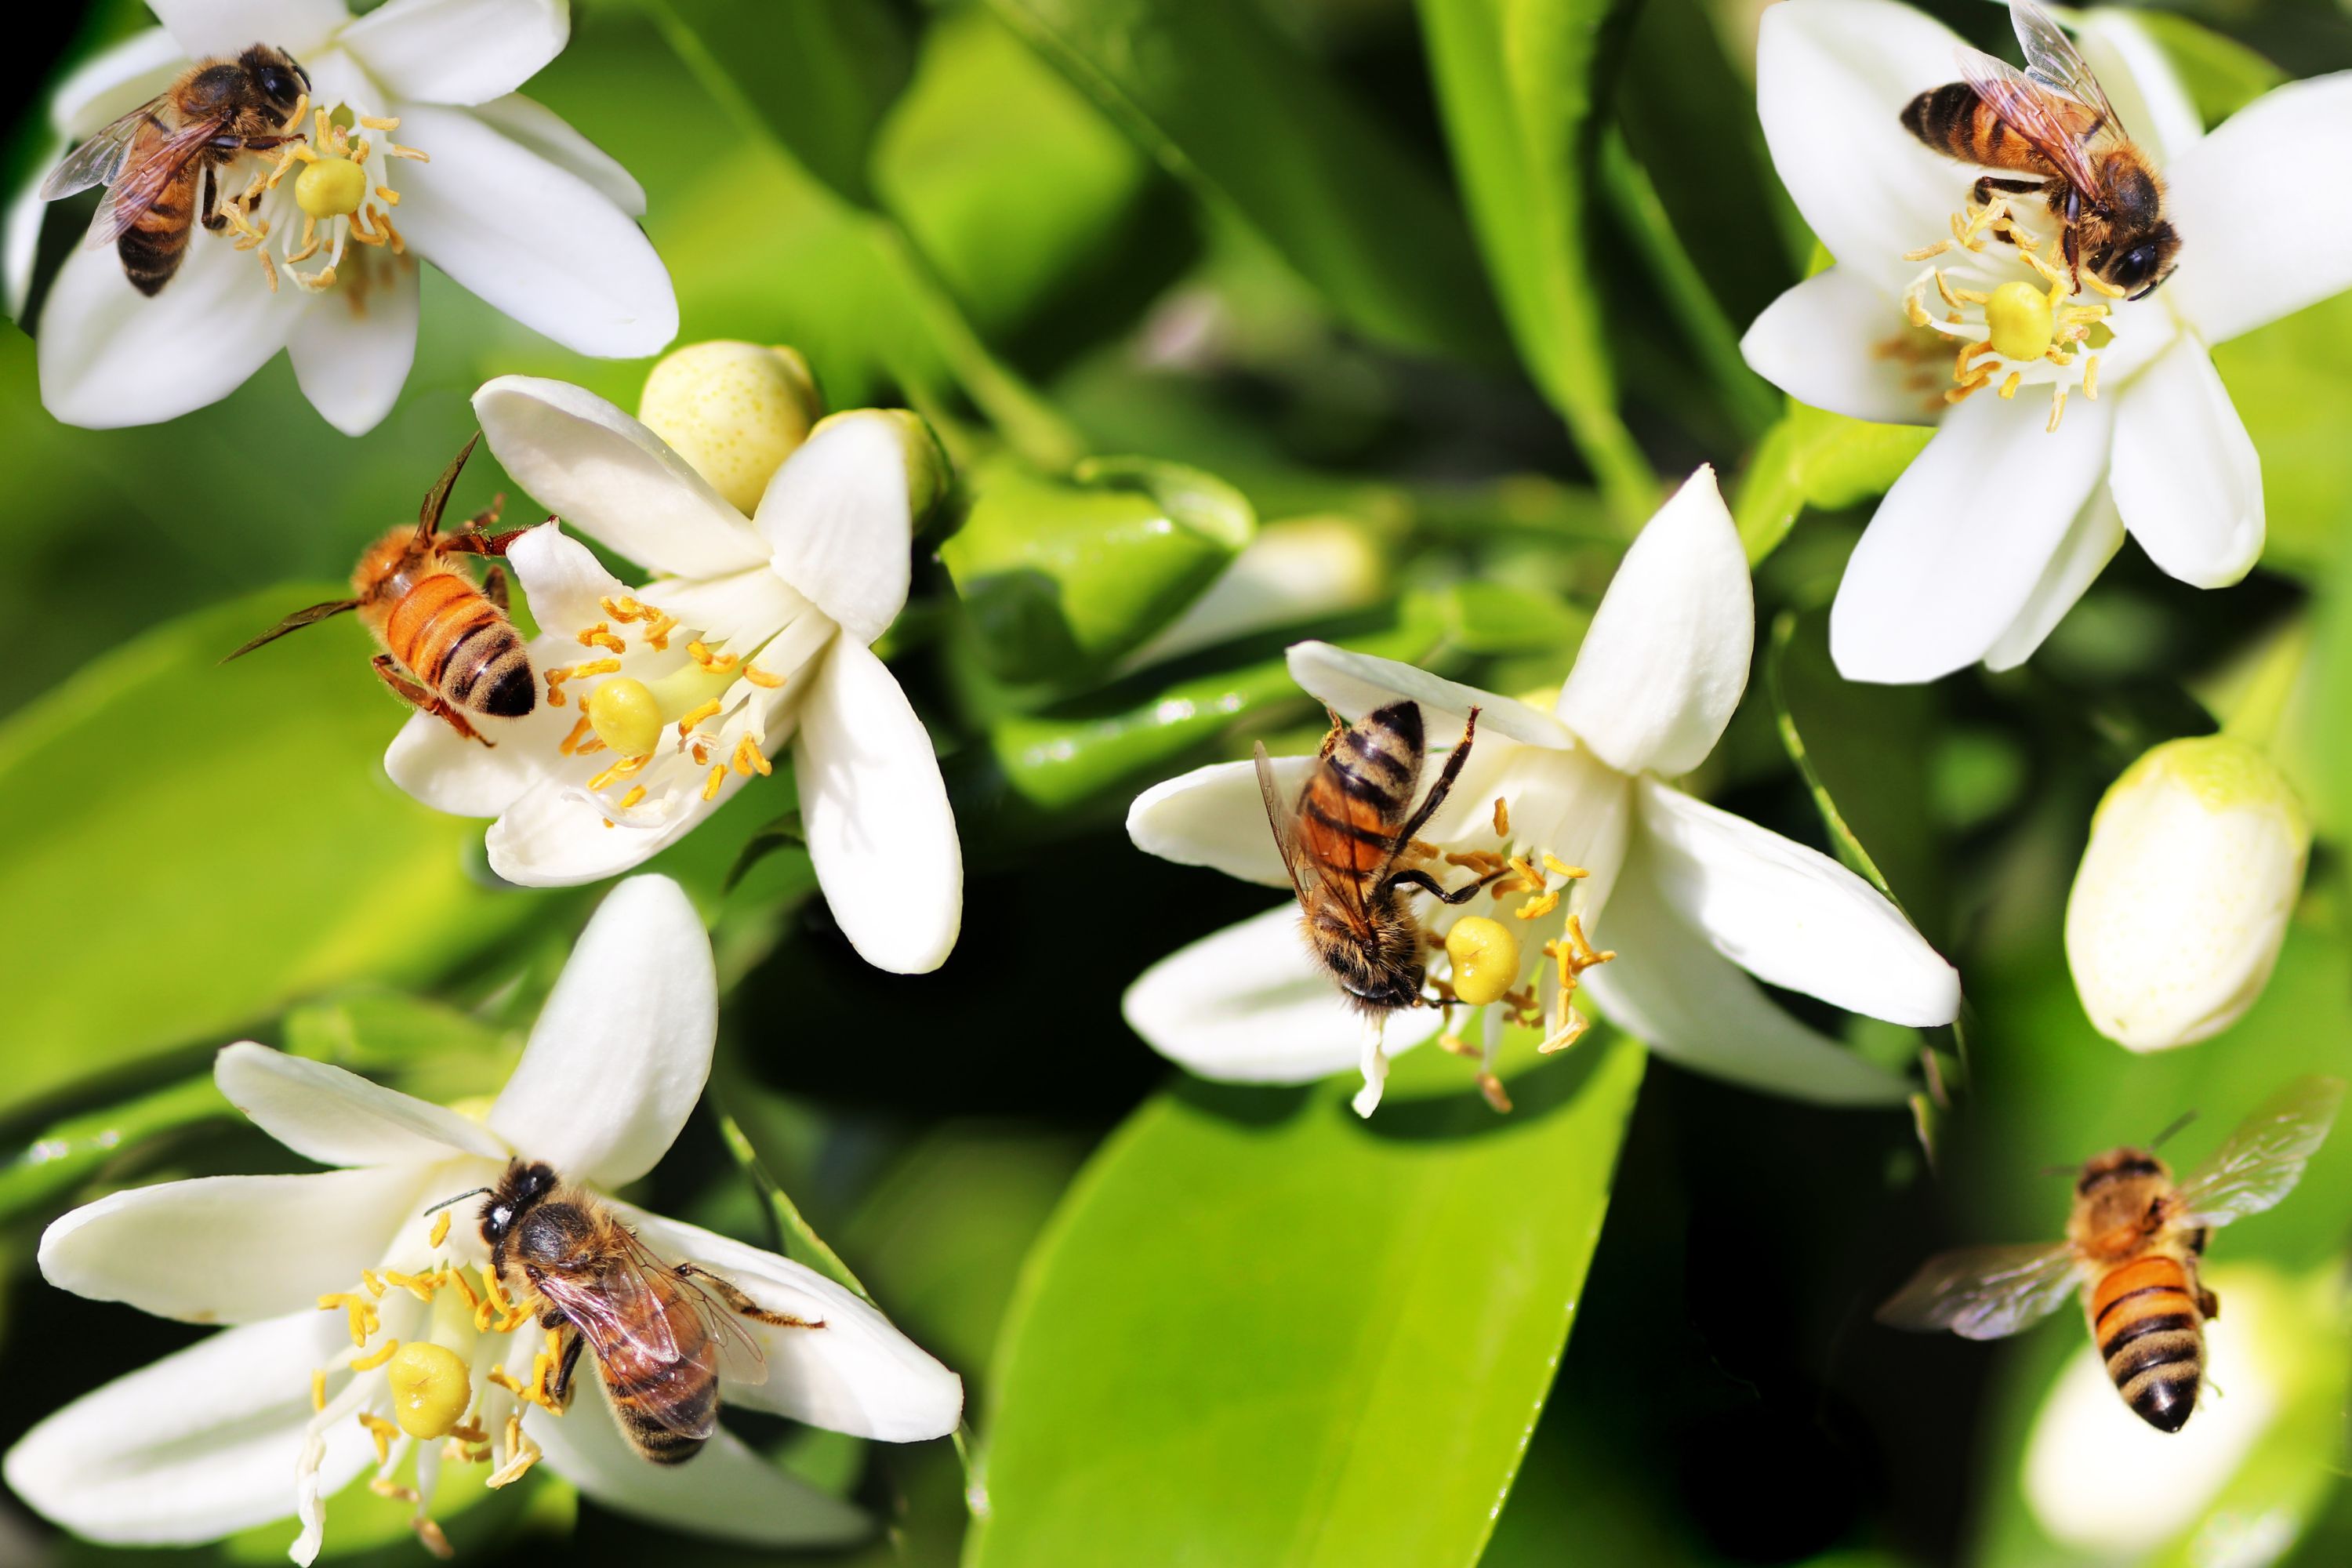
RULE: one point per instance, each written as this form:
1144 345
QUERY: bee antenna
2183 1119
461 1198
2055 1171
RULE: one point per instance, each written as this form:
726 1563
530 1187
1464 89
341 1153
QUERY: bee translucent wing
2052 58
728 1349
97 161
1278 812
1984 1292
2052 125
2263 1160
140 185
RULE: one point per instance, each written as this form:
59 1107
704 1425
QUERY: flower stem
2262 701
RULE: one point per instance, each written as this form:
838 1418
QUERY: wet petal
457 51
1819 341
2186 477
352 363
338 1118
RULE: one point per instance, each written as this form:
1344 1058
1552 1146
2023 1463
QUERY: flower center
342 191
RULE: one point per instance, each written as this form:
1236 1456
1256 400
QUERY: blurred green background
1282 243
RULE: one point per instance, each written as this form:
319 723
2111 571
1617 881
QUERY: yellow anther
455 1277
1535 909
623 608
2021 320
1927 252
1560 868
373 1283
617 772
318 1388
376 1358
2091 378
2102 286
430 1389
695 716
1502 818
595 667
1491 1087
711 785
505 1380
1486 959
383 1431
389 197
379 122
758 676
2057 408
1913 312
749 759
331 188
601 636
579 731
2009 388
625 715
440 1232
555 679
657 629
701 655
637 793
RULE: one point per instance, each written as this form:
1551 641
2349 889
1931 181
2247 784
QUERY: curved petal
216 1249
2147 93
728 1491
613 478
533 239
351 358
198 1445
114 81
2096 534
2185 474
875 810
622 1049
205 27
338 1118
1692 1005
1953 556
1357 683
1818 342
840 518
1666 659
1791 915
1250 1005
857 1375
2263 205
457 51
1832 78
553 834
110 356
433 763
1215 817
532 125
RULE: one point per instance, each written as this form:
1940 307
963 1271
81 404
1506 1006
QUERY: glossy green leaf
1213 91
1059 579
228 834
1815 458
425 1048
801 1242
1351 1325
1520 83
2287 382
42 1169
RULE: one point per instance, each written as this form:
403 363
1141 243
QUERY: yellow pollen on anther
749 759
318 1388
2009 388
381 1355
2057 408
701 655
1538 907
1502 818
686 725
373 1283
440 1232
2104 287
618 771
457 1277
657 629
637 793
758 676
1560 868
595 667
383 1431
2091 378
711 785
578 731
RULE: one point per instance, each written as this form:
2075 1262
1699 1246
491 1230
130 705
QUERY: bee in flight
152 159
1342 840
658 1331
2133 1245
2052 121
452 636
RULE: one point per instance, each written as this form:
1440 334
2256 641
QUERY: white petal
622 1049
1251 1005
1832 78
335 1117
2263 205
2137 79
532 238
2091 542
464 778
457 51
1215 817
1357 683
1954 553
725 1491
110 356
200 1445
876 813
352 363
534 125
857 1374
2185 475
613 478
553 834
838 516
226 27
741 610
114 81
231 1249
1791 915
1666 659
1819 341
1691 1004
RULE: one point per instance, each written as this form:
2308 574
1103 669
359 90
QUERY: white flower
2181 907
233 1432
514 204
662 700
2002 523
1692 895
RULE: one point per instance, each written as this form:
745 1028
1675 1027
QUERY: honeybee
452 636
2053 119
152 158
2132 1245
656 1330
1341 841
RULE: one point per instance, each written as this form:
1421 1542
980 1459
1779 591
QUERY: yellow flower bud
625 715
331 187
2019 315
734 410
1486 959
430 1389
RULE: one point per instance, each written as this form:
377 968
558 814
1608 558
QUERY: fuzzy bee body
2146 1307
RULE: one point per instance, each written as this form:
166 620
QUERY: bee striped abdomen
1362 790
1956 123
684 1391
454 638
2144 1316
152 247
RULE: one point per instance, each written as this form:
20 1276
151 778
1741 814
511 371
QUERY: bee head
276 75
521 1187
2139 268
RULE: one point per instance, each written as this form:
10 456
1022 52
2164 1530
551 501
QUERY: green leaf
1492 619
66 1154
1518 83
1815 458
433 1051
801 1244
1350 1327
224 837
1060 579
1213 91
2286 381
2223 75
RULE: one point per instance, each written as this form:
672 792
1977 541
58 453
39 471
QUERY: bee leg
479 543
494 587
735 1299
2208 1305
559 1388
425 701
1445 785
1331 736
214 219
1986 186
488 515
1416 878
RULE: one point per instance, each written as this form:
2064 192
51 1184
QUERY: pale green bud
2178 913
734 410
